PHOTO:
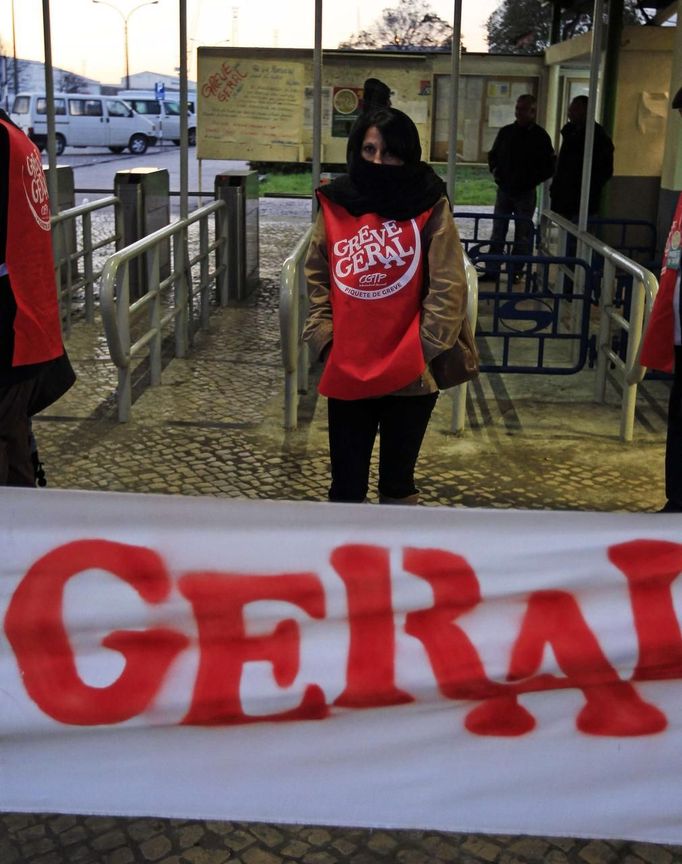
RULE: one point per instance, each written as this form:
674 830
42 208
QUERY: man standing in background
564 192
521 158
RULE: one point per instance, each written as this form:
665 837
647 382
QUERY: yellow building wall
643 101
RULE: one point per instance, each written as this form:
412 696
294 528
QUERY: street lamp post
126 18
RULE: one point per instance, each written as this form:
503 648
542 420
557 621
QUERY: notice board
249 108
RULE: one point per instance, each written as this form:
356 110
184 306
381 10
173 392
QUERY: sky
88 38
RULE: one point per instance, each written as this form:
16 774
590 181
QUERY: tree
523 26
412 25
71 82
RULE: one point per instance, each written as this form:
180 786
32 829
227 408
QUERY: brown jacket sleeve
318 328
445 301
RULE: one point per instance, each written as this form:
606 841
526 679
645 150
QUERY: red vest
657 347
28 255
376 276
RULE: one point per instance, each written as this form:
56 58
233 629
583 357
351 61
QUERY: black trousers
401 422
16 467
673 444
522 206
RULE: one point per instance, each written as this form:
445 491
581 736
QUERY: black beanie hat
375 94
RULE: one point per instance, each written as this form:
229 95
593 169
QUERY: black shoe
670 507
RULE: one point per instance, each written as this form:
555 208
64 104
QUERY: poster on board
347 105
249 109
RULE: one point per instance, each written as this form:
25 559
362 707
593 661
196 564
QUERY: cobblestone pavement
214 427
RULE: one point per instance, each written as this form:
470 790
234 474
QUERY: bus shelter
601 50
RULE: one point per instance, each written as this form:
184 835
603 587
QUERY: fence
77 264
644 287
132 327
623 289
293 308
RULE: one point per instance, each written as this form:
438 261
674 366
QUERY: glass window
118 109
41 106
76 107
93 107
173 108
21 105
145 106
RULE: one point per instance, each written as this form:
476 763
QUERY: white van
84 120
164 112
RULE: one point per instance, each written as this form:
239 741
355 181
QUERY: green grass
287 184
473 184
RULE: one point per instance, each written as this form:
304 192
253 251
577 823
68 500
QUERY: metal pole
614 33
125 44
126 18
184 163
454 98
595 61
317 105
555 27
49 93
14 52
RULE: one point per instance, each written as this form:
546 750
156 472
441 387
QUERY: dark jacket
564 192
521 158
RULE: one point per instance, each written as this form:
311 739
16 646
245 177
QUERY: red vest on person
658 344
376 276
28 255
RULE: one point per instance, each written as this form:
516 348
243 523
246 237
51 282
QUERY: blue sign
160 90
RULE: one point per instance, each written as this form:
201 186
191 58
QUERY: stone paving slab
214 427
57 839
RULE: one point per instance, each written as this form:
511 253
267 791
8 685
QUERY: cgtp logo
35 189
374 279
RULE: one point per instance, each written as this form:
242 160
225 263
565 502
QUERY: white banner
465 670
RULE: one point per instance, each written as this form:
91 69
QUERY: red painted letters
370 676
36 631
651 566
218 600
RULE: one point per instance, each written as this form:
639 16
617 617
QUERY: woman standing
387 290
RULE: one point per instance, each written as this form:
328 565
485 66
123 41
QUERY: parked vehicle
84 120
164 112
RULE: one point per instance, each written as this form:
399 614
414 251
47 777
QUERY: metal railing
643 292
166 300
76 265
459 398
293 309
634 238
479 239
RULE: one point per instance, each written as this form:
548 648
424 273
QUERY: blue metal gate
529 324
533 311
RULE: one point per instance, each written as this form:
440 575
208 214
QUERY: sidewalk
215 427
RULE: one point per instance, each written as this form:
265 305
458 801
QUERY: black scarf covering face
392 191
